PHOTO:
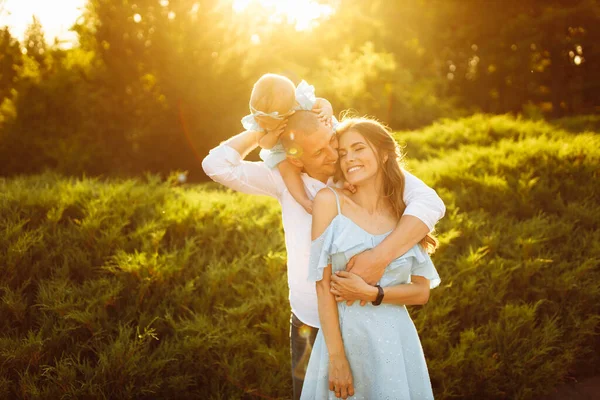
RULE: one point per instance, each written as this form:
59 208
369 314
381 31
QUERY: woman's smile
354 168
358 161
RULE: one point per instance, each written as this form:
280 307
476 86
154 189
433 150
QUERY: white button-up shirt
225 165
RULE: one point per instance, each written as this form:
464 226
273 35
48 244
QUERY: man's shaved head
301 123
311 145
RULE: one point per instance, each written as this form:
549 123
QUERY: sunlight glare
240 5
303 14
56 20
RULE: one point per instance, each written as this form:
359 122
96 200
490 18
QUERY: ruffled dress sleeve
416 261
272 157
249 123
423 266
305 96
335 122
320 253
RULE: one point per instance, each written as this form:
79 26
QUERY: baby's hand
324 110
270 138
277 131
350 187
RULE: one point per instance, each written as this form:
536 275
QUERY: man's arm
349 287
224 164
424 208
244 143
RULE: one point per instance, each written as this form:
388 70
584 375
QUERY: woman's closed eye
356 150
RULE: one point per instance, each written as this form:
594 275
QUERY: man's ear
296 162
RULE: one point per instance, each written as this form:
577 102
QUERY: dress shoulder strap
337 199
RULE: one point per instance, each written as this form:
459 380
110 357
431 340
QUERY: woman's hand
350 287
340 377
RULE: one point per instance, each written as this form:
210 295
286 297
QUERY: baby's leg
293 181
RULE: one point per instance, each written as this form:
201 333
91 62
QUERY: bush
143 288
128 289
519 311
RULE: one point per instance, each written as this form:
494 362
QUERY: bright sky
302 13
56 16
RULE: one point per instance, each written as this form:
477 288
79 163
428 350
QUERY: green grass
144 289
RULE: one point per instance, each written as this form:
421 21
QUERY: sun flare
56 19
303 14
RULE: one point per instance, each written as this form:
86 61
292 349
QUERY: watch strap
379 297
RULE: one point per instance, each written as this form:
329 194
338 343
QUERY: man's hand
368 265
349 287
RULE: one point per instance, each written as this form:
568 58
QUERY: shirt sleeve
224 165
422 201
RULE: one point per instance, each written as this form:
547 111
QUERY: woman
372 351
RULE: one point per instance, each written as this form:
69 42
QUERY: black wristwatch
379 298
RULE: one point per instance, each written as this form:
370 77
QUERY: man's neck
322 178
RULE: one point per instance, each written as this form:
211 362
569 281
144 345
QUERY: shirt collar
317 184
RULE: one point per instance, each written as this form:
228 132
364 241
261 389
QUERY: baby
273 99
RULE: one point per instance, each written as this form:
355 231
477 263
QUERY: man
315 147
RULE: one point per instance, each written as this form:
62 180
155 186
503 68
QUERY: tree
501 55
174 74
10 60
35 43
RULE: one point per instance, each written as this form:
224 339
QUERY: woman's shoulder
326 200
328 194
329 197
324 210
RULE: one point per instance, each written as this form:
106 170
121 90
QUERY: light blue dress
381 342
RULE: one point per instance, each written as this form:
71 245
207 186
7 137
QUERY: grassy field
147 289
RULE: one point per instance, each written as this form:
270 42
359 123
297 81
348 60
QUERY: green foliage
579 124
139 289
154 85
519 252
146 288
356 79
10 61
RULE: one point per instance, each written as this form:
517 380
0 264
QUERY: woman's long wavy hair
380 140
